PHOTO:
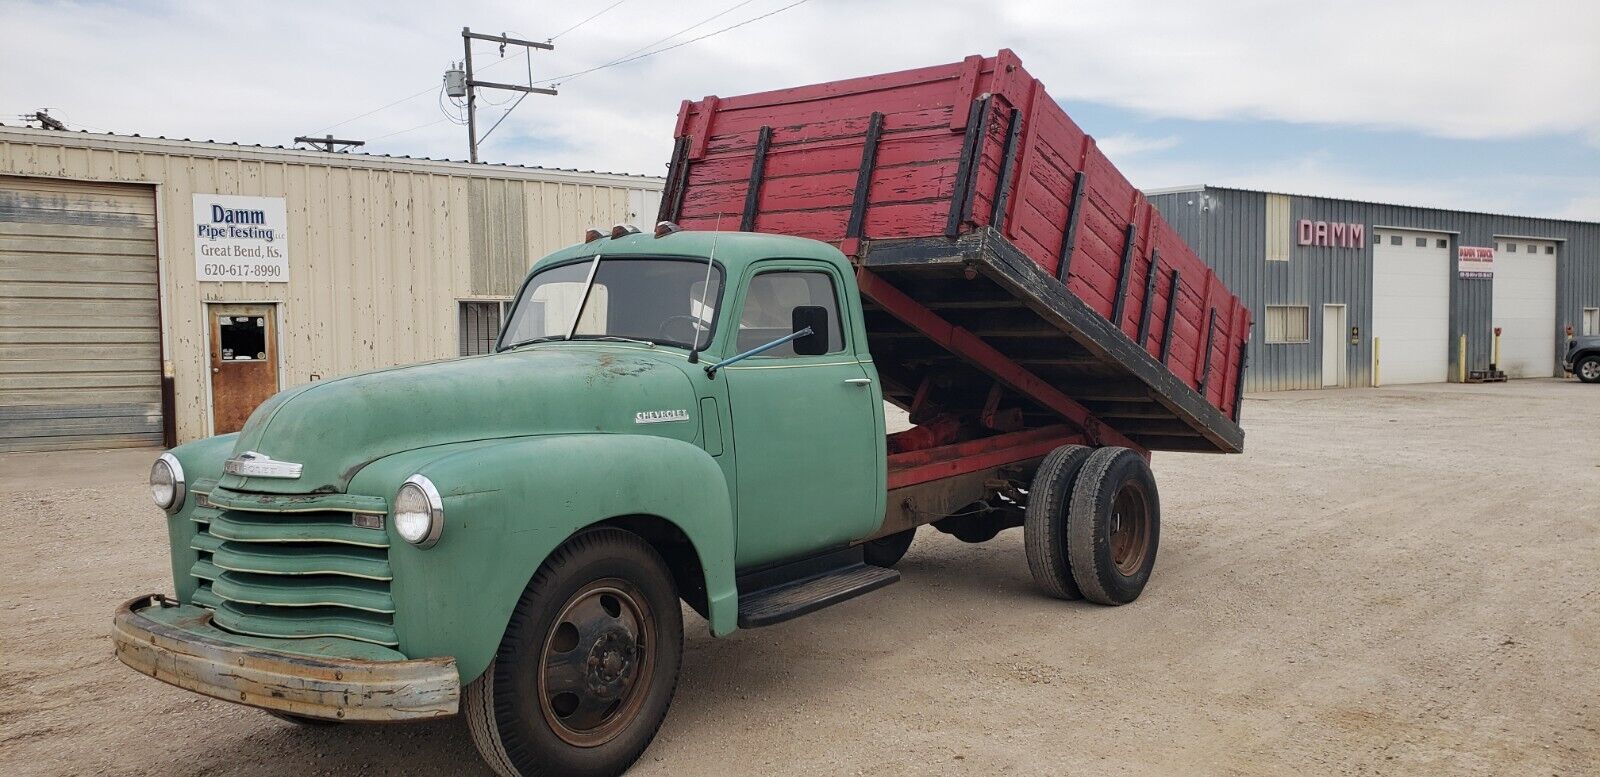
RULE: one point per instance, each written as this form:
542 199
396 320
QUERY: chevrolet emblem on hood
259 465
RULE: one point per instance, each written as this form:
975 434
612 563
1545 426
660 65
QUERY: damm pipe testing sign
240 238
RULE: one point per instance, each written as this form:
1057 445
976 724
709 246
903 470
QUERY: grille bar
334 528
281 591
261 621
276 559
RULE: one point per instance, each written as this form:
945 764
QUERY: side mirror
815 317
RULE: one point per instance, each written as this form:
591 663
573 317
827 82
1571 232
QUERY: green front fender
508 504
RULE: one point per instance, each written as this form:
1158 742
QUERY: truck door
807 430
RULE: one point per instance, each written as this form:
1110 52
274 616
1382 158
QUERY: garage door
80 348
1411 305
1525 306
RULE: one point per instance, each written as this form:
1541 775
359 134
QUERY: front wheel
588 664
1588 369
887 551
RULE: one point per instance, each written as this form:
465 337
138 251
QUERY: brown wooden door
244 362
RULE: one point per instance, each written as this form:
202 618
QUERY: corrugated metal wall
1227 228
380 249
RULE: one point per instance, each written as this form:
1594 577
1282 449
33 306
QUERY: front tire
588 664
888 550
1588 369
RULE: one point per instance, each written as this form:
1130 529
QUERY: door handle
858 381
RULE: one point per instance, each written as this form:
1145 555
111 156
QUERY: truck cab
667 416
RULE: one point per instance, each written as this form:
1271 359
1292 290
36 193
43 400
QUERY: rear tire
588 664
1113 526
1588 369
887 551
1044 523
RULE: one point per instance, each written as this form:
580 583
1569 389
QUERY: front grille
293 574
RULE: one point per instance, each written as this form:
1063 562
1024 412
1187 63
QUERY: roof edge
1209 187
216 149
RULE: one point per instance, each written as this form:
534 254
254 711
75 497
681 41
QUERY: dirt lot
1401 581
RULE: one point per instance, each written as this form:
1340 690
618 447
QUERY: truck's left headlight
166 482
419 512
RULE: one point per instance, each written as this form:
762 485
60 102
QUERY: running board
789 591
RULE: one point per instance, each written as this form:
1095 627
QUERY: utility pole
45 120
472 84
327 143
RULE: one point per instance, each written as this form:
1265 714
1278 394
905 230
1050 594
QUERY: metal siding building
101 296
1252 239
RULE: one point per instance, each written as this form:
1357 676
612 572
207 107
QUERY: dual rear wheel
1092 525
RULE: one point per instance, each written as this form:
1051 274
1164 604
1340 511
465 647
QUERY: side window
769 309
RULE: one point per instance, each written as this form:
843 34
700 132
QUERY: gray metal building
1350 293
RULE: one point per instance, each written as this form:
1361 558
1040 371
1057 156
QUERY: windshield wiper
618 338
588 286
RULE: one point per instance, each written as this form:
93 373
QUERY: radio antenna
705 291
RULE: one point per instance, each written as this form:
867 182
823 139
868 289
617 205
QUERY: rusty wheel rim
1129 530
597 661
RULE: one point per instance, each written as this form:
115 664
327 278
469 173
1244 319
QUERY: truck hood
333 429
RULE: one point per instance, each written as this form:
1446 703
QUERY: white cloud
265 73
1123 145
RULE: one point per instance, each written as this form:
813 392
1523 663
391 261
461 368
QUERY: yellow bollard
1376 363
1497 348
1461 361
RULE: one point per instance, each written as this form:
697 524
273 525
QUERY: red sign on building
1476 261
1335 234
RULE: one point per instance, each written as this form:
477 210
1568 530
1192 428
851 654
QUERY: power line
412 129
696 25
642 52
629 58
597 14
408 98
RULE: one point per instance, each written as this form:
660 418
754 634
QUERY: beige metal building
157 289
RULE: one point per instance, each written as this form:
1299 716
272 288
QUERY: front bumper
173 650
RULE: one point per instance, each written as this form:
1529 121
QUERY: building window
1288 324
1511 248
1533 249
1279 228
1443 243
1422 242
1591 321
1549 249
480 325
1394 240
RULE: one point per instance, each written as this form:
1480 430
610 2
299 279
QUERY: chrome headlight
419 512
166 482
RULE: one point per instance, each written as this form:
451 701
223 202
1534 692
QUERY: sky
1471 104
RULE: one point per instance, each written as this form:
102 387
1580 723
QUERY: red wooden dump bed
973 205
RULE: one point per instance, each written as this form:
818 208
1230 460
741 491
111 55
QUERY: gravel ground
1400 581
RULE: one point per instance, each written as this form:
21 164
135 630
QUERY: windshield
655 300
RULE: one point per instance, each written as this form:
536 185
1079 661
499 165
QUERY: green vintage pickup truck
674 417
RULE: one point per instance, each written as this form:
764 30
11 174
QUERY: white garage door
80 344
1525 306
1411 305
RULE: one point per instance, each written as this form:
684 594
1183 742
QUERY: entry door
244 362
1524 298
807 439
1334 350
1411 306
